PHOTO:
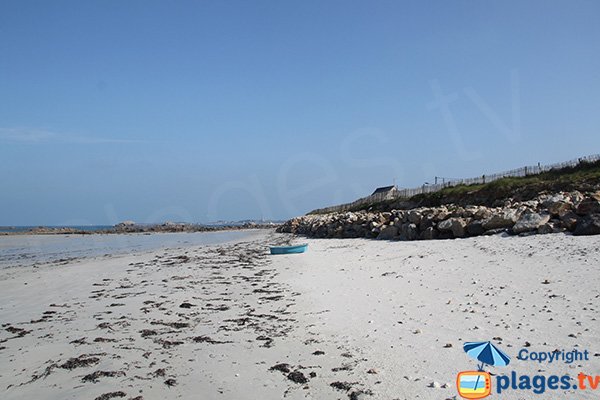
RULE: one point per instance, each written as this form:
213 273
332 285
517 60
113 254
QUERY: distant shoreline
125 228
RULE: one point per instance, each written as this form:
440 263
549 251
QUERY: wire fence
402 193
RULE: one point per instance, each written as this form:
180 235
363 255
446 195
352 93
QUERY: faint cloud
38 136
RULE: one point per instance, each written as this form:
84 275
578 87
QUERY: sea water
27 250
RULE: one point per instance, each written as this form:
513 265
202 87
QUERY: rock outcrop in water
548 213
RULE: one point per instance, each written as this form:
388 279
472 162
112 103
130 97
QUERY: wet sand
350 318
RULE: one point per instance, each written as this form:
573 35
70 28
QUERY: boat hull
289 249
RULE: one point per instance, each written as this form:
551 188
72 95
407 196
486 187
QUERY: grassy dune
583 177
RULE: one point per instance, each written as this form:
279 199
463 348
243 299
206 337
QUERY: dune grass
584 176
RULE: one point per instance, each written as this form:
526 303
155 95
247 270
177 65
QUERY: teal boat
301 248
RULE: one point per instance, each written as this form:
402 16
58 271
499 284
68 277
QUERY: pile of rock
548 213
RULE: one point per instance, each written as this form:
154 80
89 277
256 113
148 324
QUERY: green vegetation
584 177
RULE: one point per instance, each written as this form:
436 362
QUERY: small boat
301 248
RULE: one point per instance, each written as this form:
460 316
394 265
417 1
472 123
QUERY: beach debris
95 376
318 353
344 367
342 386
148 332
282 367
19 332
159 373
104 340
357 394
297 377
111 395
167 344
79 341
208 339
170 382
82 361
176 325
448 345
268 342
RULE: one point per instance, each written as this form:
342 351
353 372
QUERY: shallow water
25 250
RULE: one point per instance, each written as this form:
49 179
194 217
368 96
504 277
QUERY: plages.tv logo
478 384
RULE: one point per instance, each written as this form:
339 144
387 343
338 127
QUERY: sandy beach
352 318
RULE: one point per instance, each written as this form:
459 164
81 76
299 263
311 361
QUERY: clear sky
206 110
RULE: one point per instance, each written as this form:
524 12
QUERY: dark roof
384 189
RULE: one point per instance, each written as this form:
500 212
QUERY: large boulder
554 226
445 225
429 234
414 217
530 222
388 232
455 225
569 220
475 228
409 232
426 222
589 205
504 218
482 213
588 225
559 207
441 213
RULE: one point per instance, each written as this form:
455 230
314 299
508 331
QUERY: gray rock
548 201
530 222
545 229
441 214
426 222
589 205
388 233
459 227
482 213
470 211
494 231
554 226
429 233
559 207
569 220
503 219
475 228
455 225
414 217
445 225
125 223
588 225
409 232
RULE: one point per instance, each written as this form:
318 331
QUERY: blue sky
207 110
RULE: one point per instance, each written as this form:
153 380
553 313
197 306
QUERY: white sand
383 307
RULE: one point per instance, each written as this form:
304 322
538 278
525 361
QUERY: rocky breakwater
574 212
